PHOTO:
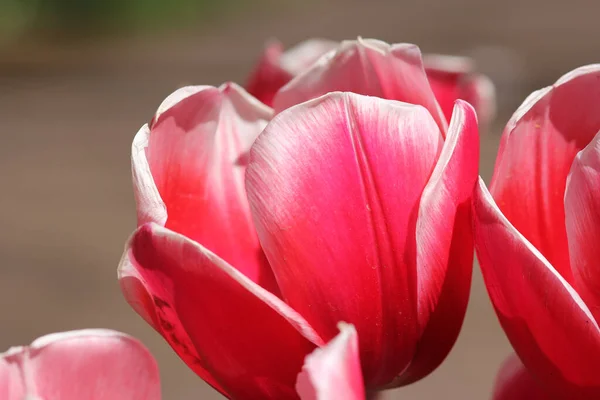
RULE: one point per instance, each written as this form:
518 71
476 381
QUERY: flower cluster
311 234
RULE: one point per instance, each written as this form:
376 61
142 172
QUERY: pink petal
94 364
452 78
514 382
276 68
537 149
303 55
334 186
333 372
12 386
445 244
268 75
369 67
582 209
236 335
546 321
188 175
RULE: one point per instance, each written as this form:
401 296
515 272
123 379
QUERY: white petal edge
536 96
448 63
150 205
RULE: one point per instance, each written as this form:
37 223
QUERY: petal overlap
243 339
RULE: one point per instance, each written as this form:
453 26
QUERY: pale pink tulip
360 206
514 382
381 70
91 364
537 237
333 372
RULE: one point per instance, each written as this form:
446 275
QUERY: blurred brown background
78 78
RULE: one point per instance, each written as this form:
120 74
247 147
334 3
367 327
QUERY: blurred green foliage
68 16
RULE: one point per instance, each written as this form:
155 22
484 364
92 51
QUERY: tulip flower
537 234
91 364
450 77
514 382
345 208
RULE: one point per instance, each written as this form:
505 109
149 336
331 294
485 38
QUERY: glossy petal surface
188 175
445 244
582 209
368 67
514 382
333 372
334 185
538 147
237 336
546 321
89 364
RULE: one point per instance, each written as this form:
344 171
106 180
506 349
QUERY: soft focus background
79 77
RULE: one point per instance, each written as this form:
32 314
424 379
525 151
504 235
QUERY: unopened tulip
91 364
346 208
382 70
537 234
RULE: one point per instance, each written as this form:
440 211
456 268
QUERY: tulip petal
368 67
334 186
12 386
514 382
187 174
276 67
445 75
239 337
479 91
268 76
538 147
582 209
333 372
445 244
546 321
302 56
92 364
452 78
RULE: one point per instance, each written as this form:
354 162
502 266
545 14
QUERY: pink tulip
514 382
537 239
91 364
346 208
382 71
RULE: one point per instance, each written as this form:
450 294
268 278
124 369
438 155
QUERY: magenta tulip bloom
451 78
91 364
252 246
537 237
